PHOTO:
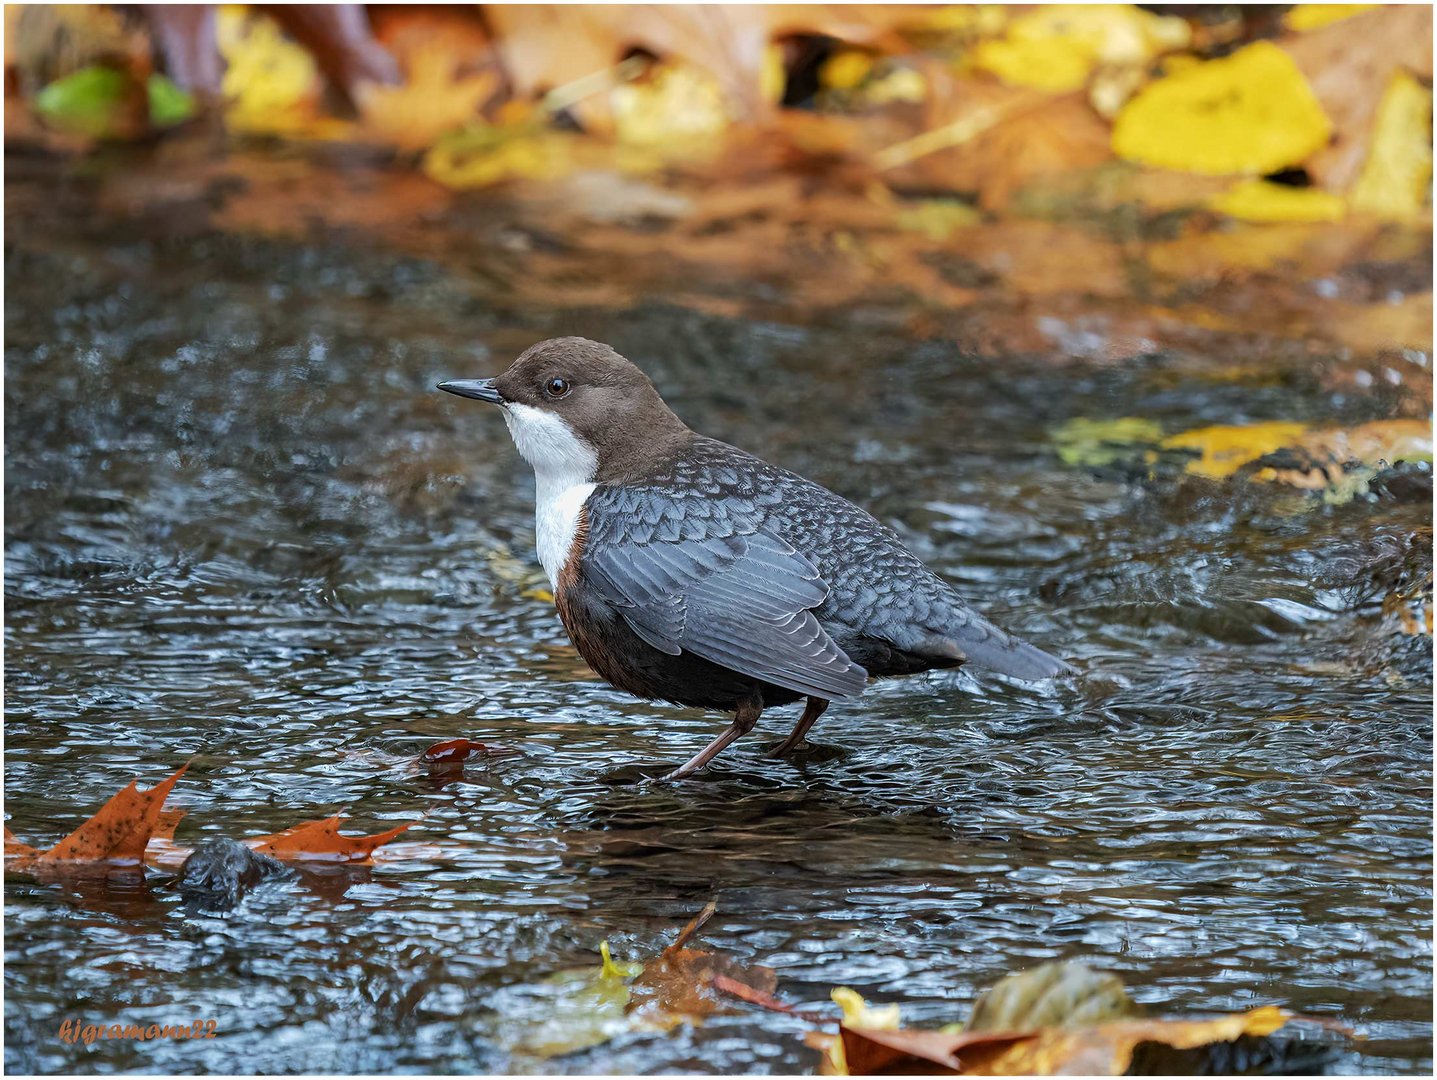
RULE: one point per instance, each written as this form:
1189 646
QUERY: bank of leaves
982 101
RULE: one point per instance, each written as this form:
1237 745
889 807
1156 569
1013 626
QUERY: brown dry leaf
1100 1050
869 1052
981 136
545 46
873 25
440 92
1322 454
119 831
1107 1049
322 841
678 985
1349 65
764 999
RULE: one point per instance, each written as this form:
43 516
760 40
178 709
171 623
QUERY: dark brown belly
625 660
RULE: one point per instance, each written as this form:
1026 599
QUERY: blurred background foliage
1259 113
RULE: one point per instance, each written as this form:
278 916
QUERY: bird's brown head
579 411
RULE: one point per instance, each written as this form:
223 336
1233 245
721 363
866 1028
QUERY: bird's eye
556 387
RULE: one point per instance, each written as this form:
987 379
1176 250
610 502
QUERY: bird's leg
811 712
742 724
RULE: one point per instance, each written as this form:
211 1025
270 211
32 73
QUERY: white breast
556 520
564 467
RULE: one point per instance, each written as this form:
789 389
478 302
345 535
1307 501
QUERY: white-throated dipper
687 570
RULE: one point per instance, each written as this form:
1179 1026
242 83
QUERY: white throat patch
564 469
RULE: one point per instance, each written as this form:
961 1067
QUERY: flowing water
242 530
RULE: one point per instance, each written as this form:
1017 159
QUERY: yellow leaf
1311 16
845 69
859 1013
1251 112
1044 64
1260 200
773 79
269 81
856 1013
1107 1049
1396 179
1225 448
1057 46
680 102
486 155
1095 443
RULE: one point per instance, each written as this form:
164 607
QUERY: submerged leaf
581 1008
1095 443
1056 994
1223 449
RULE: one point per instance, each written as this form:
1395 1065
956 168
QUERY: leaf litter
134 828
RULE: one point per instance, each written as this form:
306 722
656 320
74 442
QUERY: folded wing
743 601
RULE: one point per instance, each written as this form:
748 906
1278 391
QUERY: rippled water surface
243 531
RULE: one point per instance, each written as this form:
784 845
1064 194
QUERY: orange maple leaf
322 840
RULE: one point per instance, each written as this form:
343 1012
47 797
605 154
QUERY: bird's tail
1013 656
974 640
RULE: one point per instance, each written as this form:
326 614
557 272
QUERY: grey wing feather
741 601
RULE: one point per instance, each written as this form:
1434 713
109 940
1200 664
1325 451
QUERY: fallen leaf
581 1009
858 1014
1249 113
1396 179
271 83
870 1052
119 830
1095 443
162 849
1107 1049
1349 66
434 99
1313 16
488 154
549 45
762 998
993 140
1341 461
99 102
453 753
1053 995
1223 449
13 846
322 841
677 986
1057 47
1262 201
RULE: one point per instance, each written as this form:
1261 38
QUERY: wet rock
219 873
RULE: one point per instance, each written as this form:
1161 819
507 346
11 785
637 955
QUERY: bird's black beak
479 389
